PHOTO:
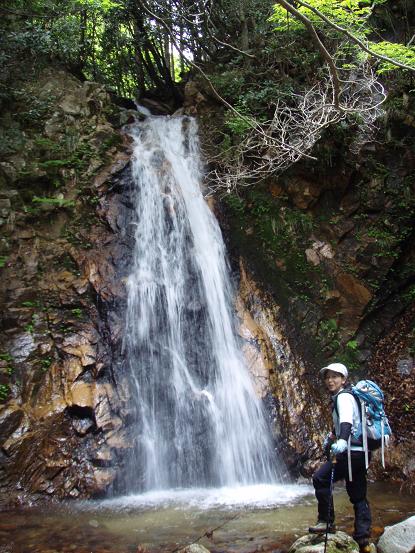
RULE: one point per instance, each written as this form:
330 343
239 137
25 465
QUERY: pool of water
237 520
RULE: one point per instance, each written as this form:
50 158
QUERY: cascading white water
198 418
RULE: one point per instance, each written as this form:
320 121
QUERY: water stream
226 521
198 420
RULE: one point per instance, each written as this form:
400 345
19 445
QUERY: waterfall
197 418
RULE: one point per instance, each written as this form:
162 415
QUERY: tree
351 90
272 118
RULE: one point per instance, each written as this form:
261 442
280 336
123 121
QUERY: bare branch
247 54
294 130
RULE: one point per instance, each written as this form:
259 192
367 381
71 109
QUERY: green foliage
45 363
386 240
352 15
4 392
231 82
236 203
35 109
350 355
239 125
30 303
53 164
59 202
105 5
346 13
399 52
409 295
77 312
9 369
3 260
328 332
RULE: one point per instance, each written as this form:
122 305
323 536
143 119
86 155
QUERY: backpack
373 431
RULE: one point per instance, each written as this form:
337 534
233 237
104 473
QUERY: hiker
346 415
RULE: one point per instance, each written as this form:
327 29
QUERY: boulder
339 542
399 538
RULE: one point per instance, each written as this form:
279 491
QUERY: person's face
334 381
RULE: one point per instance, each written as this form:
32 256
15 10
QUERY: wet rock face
332 239
62 423
332 242
295 405
63 270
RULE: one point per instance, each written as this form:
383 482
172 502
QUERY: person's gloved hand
328 441
339 447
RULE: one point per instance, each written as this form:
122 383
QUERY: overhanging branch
353 38
323 50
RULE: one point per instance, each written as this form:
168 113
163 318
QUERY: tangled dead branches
269 148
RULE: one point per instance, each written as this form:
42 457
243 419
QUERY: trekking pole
333 467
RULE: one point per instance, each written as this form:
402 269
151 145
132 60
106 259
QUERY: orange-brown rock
303 192
354 298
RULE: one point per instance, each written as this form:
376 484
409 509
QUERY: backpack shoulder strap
344 391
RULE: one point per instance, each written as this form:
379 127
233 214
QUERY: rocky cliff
64 254
324 258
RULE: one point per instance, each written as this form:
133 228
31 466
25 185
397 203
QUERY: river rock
194 548
399 538
339 542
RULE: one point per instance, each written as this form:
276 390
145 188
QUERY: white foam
261 496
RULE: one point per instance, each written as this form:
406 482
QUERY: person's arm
345 411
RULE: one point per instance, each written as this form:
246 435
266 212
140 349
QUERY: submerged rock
399 538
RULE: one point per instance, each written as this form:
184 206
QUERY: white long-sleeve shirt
348 411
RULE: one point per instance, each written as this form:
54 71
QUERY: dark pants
356 490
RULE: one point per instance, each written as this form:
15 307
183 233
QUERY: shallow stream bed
239 520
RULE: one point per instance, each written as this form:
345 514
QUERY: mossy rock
339 542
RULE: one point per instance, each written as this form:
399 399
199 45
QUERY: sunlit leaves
351 16
399 52
103 5
349 13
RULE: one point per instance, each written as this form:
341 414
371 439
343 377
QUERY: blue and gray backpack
373 431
